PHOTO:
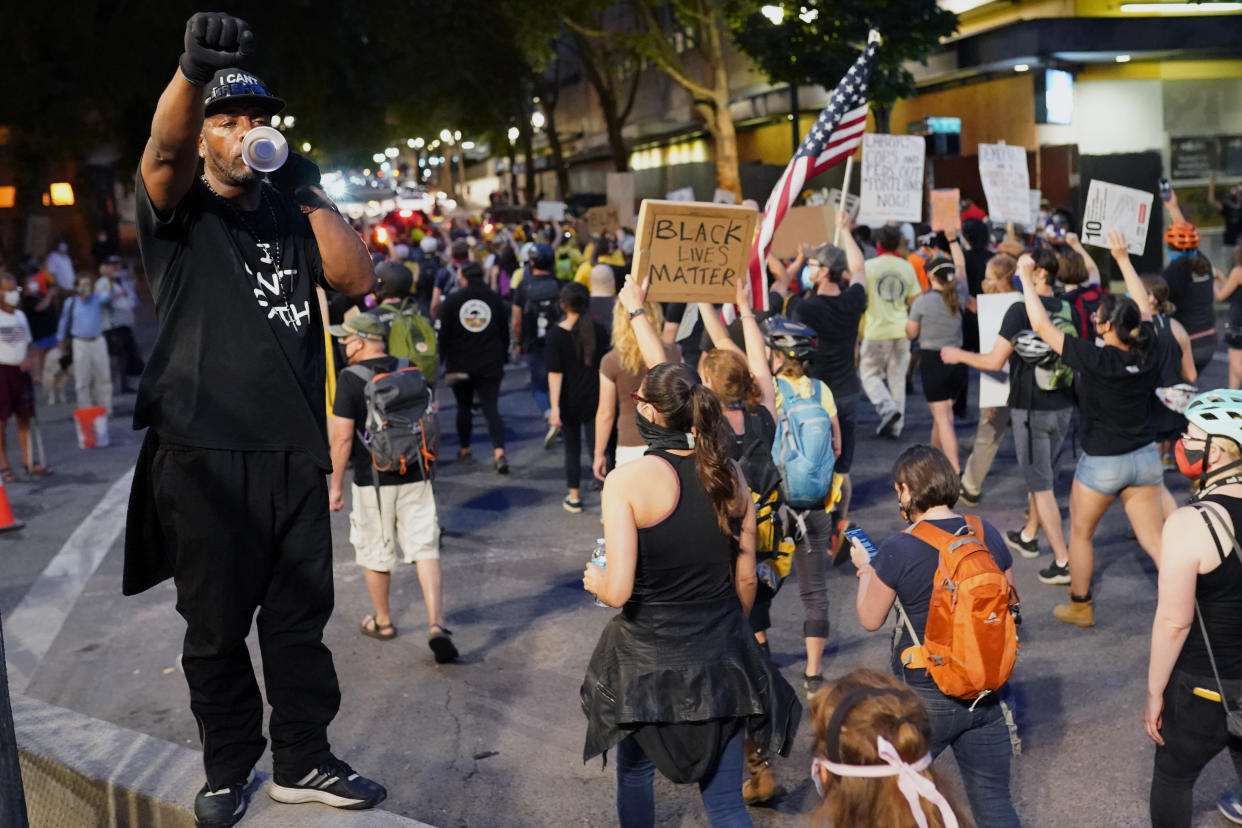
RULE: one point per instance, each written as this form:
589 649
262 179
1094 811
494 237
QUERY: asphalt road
496 739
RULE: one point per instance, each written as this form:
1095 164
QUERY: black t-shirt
835 321
42 322
474 331
1191 294
1023 392
600 310
976 269
579 382
1232 213
351 403
907 566
1116 392
238 362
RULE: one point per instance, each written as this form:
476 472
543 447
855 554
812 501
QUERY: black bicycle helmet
793 339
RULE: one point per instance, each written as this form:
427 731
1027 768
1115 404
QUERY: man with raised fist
230 496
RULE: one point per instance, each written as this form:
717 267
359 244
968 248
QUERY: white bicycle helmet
1218 412
1033 350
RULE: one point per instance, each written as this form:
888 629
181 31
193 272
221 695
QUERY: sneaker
1056 574
502 464
840 543
465 458
219 809
1017 543
888 425
549 439
332 783
810 684
970 498
574 507
1230 806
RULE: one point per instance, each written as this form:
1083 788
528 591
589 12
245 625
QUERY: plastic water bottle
264 149
599 557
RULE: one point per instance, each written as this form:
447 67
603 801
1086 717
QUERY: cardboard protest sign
851 201
683 194
991 307
693 252
620 189
724 197
1006 183
892 178
602 219
550 211
801 225
946 209
1114 207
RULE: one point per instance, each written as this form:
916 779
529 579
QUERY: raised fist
214 40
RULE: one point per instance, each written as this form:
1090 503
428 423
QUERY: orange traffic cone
8 523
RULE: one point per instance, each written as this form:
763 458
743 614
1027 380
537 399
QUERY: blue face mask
804 278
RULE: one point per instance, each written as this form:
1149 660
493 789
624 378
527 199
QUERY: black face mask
657 436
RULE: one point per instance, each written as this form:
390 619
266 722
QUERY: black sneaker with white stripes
332 783
224 807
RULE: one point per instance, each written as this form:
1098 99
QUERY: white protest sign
550 211
683 194
1006 183
724 197
892 177
1036 197
1114 207
851 201
993 385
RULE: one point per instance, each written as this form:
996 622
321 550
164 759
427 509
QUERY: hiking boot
1078 613
888 425
549 439
574 507
219 809
1055 574
811 684
970 498
840 543
1017 543
1230 807
760 786
332 783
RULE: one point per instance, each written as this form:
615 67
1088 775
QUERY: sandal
7 476
37 470
441 644
371 628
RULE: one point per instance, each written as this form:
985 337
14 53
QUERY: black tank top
1219 594
684 557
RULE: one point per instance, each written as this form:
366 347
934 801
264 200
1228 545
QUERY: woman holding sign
1115 384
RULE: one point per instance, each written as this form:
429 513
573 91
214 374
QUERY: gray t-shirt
938 327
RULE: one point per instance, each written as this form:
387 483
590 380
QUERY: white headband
910 782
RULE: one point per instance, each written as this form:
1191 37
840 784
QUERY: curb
82 771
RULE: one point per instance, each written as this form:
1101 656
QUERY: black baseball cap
234 86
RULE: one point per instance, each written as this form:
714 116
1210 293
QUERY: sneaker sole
1075 623
1021 550
237 815
299 796
1055 580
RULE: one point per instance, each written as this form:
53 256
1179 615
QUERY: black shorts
1233 337
940 381
16 393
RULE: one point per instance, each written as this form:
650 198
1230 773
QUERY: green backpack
1057 374
411 336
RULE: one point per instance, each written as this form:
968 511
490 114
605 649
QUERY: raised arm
632 297
756 349
1212 199
853 253
959 255
1134 285
212 41
1175 211
1093 272
1035 310
716 330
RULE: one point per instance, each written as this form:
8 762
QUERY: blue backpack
803 447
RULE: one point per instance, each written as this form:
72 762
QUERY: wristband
955 240
863 569
637 312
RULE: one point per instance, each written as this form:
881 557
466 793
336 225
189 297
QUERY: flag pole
845 191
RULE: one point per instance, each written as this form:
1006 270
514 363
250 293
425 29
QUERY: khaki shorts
409 518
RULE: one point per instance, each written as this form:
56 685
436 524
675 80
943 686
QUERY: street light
773 13
418 143
409 142
392 152
514 132
306 147
537 119
378 158
457 135
467 145
446 136
289 120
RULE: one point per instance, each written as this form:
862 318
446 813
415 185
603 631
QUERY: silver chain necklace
287 290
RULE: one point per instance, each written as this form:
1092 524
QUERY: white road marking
34 625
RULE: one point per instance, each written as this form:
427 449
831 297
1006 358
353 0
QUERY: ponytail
576 299
1123 314
948 292
715 470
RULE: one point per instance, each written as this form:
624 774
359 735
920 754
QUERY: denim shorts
1109 474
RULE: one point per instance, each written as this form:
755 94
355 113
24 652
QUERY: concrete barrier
80 772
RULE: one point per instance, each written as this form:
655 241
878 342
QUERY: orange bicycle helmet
1182 235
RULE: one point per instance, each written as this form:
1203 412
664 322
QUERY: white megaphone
264 149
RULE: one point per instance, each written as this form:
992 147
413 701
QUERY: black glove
214 40
299 178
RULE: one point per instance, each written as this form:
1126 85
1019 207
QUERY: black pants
573 427
489 401
250 530
1194 732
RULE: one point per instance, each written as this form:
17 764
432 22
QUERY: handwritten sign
693 252
851 201
550 211
602 219
620 189
801 225
724 197
946 209
1114 207
1006 183
683 194
892 177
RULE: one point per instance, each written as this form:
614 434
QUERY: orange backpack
971 641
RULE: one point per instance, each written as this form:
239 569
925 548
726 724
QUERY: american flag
837 133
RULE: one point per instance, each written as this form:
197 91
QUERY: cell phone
861 536
1166 190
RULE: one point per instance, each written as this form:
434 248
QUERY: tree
819 48
610 68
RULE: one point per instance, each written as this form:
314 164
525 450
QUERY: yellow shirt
803 388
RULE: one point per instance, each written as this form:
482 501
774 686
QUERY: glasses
639 398
1187 437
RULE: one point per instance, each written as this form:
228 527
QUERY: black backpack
773 552
543 306
401 431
